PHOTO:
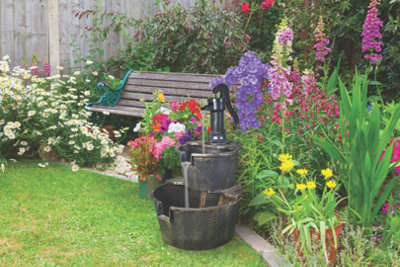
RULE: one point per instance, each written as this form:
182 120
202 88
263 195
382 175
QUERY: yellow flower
3 167
327 173
301 187
284 157
311 185
302 172
331 184
161 97
286 166
269 191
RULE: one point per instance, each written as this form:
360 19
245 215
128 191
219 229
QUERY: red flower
193 105
267 4
245 8
260 139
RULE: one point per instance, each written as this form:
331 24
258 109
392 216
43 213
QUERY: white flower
111 77
3 167
77 72
164 110
71 142
176 127
95 73
50 141
90 147
75 168
21 151
31 113
60 67
137 127
5 58
106 113
47 149
89 62
43 165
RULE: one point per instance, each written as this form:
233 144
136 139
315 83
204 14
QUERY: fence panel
50 29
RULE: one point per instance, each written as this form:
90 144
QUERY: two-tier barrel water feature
200 211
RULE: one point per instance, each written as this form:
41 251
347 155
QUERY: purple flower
370 31
217 80
322 42
285 36
185 138
279 83
249 73
165 125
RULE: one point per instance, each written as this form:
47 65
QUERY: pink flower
174 105
267 5
165 142
178 135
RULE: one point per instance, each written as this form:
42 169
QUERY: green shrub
203 39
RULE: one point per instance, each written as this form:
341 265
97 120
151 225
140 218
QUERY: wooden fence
49 28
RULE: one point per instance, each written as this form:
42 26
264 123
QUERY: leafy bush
203 39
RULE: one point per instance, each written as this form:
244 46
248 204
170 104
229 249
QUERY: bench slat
148 97
127 111
169 91
168 84
131 103
170 76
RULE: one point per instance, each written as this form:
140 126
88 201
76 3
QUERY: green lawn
54 216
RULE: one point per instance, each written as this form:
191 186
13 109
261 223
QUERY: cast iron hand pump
217 107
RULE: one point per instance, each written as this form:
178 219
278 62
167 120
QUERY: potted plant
310 215
162 128
146 156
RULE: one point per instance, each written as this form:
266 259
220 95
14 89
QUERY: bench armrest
109 96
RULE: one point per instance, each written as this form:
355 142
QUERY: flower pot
315 237
146 185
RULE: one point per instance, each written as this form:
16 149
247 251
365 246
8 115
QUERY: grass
54 216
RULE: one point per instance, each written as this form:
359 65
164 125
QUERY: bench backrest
175 86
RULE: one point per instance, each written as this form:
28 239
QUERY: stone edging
269 253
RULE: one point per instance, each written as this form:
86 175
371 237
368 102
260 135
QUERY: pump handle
224 90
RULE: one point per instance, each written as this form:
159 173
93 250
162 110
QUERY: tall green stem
283 132
377 86
245 28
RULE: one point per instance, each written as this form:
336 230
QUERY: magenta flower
285 36
322 42
370 32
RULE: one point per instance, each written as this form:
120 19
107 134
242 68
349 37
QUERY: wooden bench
125 100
